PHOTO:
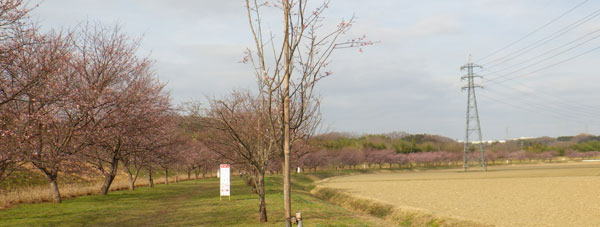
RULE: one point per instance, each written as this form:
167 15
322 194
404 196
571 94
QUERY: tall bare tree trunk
287 202
262 208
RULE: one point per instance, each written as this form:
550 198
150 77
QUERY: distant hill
403 142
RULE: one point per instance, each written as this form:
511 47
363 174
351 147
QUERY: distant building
497 141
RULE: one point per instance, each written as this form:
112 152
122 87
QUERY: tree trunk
132 176
166 176
262 207
150 180
110 176
189 175
288 62
131 181
54 188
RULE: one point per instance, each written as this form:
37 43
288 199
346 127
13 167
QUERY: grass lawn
186 203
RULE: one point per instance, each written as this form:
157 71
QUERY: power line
552 50
545 67
545 40
544 59
590 109
534 110
574 111
534 31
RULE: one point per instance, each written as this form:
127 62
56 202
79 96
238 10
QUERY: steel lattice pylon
472 118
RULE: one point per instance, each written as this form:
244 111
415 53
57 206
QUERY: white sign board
224 173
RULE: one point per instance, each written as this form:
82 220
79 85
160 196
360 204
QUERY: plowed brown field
533 195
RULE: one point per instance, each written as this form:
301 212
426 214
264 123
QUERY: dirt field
534 195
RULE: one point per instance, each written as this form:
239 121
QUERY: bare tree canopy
289 64
240 130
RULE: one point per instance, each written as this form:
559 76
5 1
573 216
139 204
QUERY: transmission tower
473 124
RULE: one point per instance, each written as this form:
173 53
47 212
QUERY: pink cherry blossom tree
14 29
120 94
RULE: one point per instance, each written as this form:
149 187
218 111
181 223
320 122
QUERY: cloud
435 26
408 82
195 71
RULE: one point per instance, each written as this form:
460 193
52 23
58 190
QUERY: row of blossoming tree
82 100
349 158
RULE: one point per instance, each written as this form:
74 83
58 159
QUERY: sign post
224 174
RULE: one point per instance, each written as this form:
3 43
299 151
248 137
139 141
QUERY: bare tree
238 128
289 66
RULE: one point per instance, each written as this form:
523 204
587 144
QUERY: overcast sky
410 81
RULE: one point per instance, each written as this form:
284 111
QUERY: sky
409 81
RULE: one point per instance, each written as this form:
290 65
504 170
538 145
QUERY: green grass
22 178
189 203
27 177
